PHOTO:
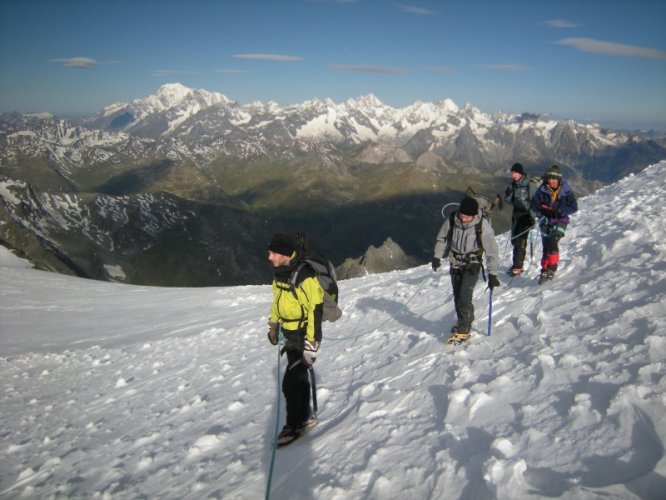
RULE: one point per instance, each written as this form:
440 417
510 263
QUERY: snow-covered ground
117 391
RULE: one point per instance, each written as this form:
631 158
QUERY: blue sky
588 60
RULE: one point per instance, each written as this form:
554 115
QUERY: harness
477 229
460 260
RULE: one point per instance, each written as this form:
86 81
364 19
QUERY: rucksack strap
292 288
294 275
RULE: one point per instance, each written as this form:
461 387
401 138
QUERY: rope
511 238
444 208
524 232
277 422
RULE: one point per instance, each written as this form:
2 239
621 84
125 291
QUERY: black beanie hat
469 206
517 167
284 244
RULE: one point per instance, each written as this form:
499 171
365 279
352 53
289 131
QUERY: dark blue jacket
565 203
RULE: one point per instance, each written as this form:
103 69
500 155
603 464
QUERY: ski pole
490 311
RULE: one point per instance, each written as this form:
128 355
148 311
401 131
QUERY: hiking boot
458 338
287 435
307 425
460 334
455 327
546 276
516 271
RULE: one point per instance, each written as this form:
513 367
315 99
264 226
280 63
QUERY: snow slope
117 391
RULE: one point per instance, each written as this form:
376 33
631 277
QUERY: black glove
273 332
508 191
493 281
436 263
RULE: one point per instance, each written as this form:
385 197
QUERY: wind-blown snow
118 391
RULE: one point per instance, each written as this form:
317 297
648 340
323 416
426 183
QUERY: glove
507 192
546 210
273 332
436 263
493 281
310 353
553 213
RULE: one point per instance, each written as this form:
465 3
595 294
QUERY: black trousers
296 389
520 231
464 280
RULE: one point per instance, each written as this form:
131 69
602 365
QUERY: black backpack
324 270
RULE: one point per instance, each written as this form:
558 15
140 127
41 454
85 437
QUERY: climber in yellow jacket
296 311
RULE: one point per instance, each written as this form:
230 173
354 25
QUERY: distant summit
388 257
439 133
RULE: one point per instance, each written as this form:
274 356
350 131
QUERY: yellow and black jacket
298 308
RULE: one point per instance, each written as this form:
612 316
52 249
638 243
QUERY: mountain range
194 179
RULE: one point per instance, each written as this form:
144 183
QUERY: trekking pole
313 382
490 311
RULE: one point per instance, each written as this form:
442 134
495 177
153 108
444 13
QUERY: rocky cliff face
388 257
152 239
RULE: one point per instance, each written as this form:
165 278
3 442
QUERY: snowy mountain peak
174 101
448 106
172 94
368 101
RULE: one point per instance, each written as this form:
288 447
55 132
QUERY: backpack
485 205
324 271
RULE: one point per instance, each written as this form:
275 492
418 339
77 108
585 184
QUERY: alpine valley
185 187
